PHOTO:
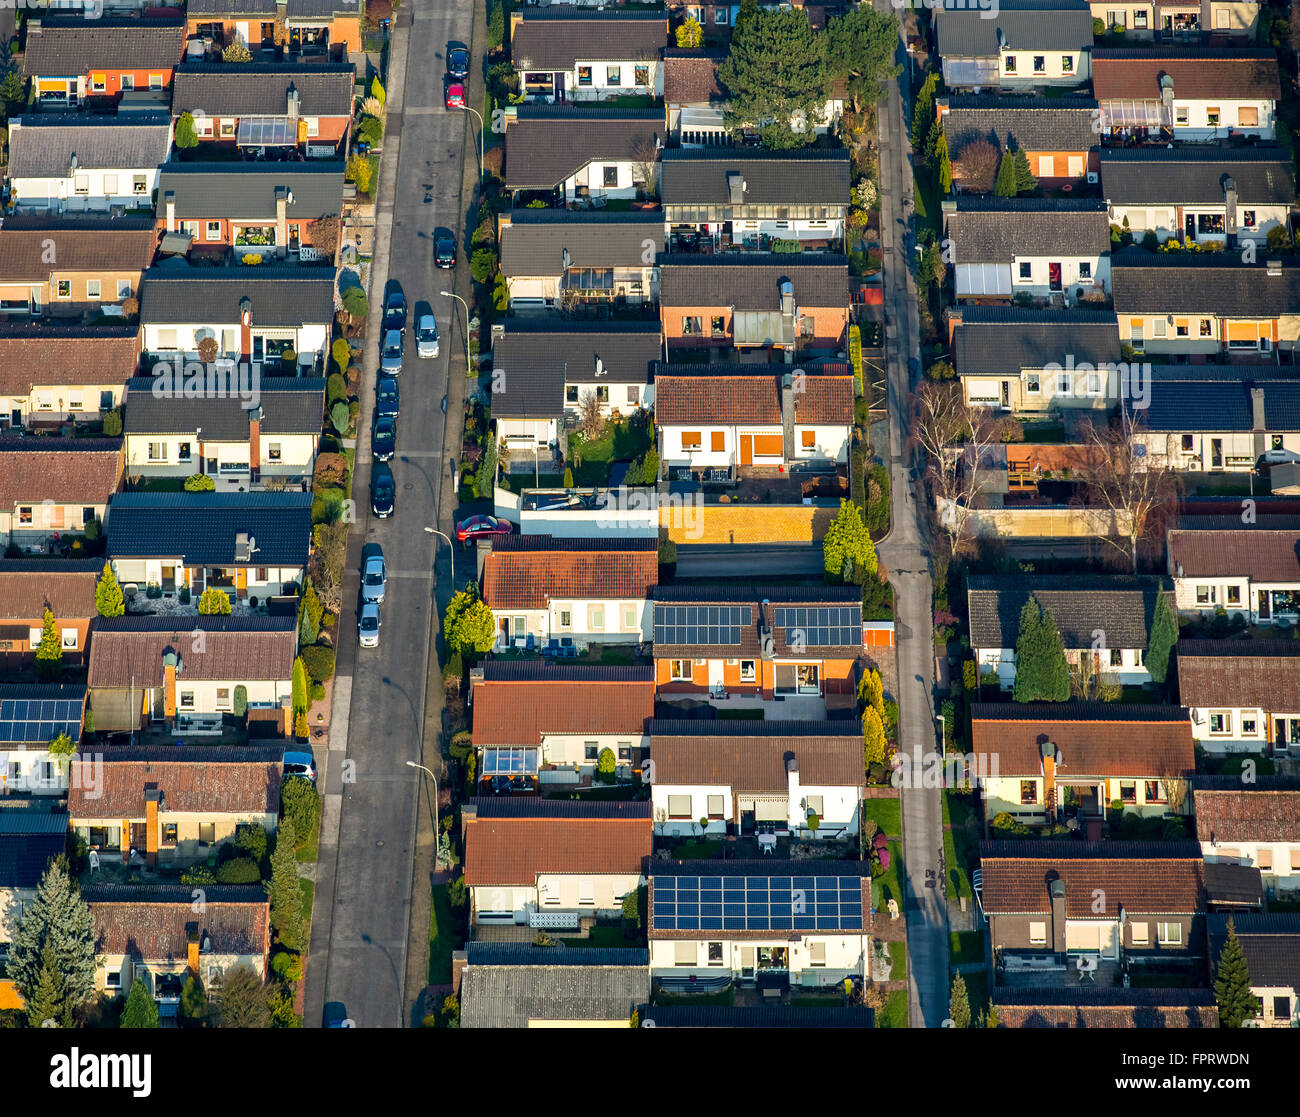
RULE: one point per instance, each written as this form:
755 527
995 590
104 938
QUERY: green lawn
885 813
977 990
957 879
740 715
886 887
607 935
893 1013
898 955
926 197
697 851
308 899
965 946
443 937
618 791
960 808
1045 432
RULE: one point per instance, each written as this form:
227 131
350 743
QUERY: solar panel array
31 719
831 626
757 903
510 762
700 624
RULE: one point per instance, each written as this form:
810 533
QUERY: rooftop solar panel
757 904
700 624
821 626
25 721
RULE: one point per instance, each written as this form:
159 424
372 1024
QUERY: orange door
746 449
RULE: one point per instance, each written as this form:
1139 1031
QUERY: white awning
1131 114
984 279
701 118
266 131
762 327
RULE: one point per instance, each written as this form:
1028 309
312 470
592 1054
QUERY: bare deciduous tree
326 566
645 161
590 419
325 237
976 166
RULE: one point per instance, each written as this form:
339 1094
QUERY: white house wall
846 955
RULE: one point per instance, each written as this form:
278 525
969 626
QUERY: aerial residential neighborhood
644 514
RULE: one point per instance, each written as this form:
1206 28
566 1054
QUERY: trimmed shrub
319 661
242 870
317 692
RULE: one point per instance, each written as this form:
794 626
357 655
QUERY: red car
482 527
455 95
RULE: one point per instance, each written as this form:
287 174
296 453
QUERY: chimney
73 161
1259 423
1167 97
152 804
787 416
1048 752
170 199
1230 208
940 107
503 223
1056 890
794 806
736 188
516 18
458 957
192 948
293 101
948 205
246 328
255 441
1273 268
169 684
244 544
281 220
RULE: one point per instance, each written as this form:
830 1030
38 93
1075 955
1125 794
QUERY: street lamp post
437 836
480 138
453 295
451 552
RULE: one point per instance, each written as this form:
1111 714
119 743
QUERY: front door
746 449
559 88
168 577
1216 453
16 417
211 468
1189 226
1053 277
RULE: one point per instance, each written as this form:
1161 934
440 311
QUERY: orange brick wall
838 677
829 325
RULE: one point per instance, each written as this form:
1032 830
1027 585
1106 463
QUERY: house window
814 805
213 231
1009 64
714 953
1094 384
1153 791
679 669
106 401
629 617
596 617
692 440
566 618
1159 327
817 953
1028 791
1062 383
717 807
1040 64
1169 934
640 75
1033 384
123 288
92 289
113 979
126 83
571 393
584 75
808 439
748 670
613 75
1038 934
1141 933
624 751
1026 270
1249 726
1067 63
81 183
1128 792
74 403
1139 21
227 129
1212 118
692 324
633 395
187 700
1180 328
207 833
1220 723
718 325
718 441
1204 595
1264 858
157 452
720 16
679 806
182 451
1085 269
1116 657
87 514
155 81
1234 595
1117 19
684 954
25 514
591 750
169 834
223 698
140 185
587 893
68 637
64 289
1188 443
1247 218
1248 116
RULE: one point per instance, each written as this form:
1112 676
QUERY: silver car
374 577
426 336
368 625
390 359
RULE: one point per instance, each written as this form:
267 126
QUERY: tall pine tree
108 594
923 111
285 891
49 654
1237 1003
140 1010
1163 637
1026 183
776 76
1005 184
58 918
1056 671
959 1003
1042 674
47 998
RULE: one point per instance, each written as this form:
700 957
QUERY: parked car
394 307
454 94
386 400
390 358
300 764
457 60
383 491
426 336
482 527
444 248
336 1016
374 573
368 623
383 443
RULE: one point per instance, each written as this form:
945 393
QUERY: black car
394 307
383 490
444 248
386 401
457 60
383 443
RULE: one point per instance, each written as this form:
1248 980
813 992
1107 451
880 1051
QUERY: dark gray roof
26 853
164 893
533 807
1233 884
807 176
43 146
524 670
290 405
535 241
1120 607
759 1016
769 866
546 145
281 296
201 527
1050 850
64 47
1196 175
754 592
509 995
711 727
262 89
994 340
1075 711
993 230
751 281
526 954
231 8
558 37
1084 996
539 358
1031 123
1271 944
1193 283
248 190
977 32
1182 399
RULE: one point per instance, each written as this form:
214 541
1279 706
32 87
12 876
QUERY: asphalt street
371 866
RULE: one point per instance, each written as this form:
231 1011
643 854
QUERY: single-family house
267 210
1181 21
750 198
1252 823
1034 361
66 587
247 544
1211 418
279 30
1019 44
540 588
1208 195
70 60
791 650
171 805
567 53
1244 695
1004 247
1246 568
1271 944
32 716
752 423
745 777
1055 133
32 834
71 268
755 300
1206 305
254 314
76 163
156 933
773 924
1104 621
551 722
1104 1006
1047 762
46 381
574 260
546 368
583 155
169 434
519 985
55 486
1049 903
307 106
549 863
694 97
1186 93
185 671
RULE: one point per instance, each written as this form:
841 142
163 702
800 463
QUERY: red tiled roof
717 399
156 932
1113 749
33 359
1265 680
825 399
23 257
64 470
1247 815
1217 74
757 764
692 79
514 851
507 712
530 578
25 595
1263 554
194 785
1143 885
